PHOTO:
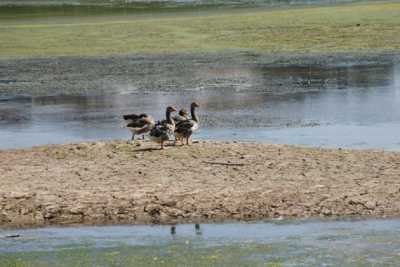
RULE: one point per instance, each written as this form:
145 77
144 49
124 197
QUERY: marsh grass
372 27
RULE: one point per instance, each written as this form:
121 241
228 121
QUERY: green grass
327 29
172 255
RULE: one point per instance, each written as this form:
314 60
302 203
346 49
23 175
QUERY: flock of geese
181 126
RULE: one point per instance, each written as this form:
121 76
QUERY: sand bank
120 182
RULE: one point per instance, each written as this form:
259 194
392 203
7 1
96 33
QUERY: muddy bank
26 78
117 182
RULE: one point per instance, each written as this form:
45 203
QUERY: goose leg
162 144
143 137
133 137
187 140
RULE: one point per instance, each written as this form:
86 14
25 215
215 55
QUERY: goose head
171 109
183 113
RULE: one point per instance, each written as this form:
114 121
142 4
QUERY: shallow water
341 105
286 243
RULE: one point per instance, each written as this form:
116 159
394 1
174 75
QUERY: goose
139 124
163 130
186 128
182 116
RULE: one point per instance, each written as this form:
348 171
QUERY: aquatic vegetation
180 254
328 29
307 250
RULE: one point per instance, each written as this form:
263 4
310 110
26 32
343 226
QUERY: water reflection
197 229
300 104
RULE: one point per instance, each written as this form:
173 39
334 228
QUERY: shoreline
277 221
117 182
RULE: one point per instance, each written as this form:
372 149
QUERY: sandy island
118 182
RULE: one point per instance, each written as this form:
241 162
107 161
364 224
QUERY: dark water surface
44 11
286 243
341 105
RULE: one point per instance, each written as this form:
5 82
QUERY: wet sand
118 182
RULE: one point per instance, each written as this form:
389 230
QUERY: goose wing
186 127
162 131
166 124
138 123
131 116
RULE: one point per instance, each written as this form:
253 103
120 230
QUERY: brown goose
162 131
186 128
139 124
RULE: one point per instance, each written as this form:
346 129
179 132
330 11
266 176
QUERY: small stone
169 203
18 195
371 205
325 211
153 210
76 210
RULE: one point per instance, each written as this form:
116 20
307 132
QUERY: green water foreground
293 243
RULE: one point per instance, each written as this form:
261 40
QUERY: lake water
284 243
339 105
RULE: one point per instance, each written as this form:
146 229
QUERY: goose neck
193 114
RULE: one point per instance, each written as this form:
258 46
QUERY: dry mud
119 182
